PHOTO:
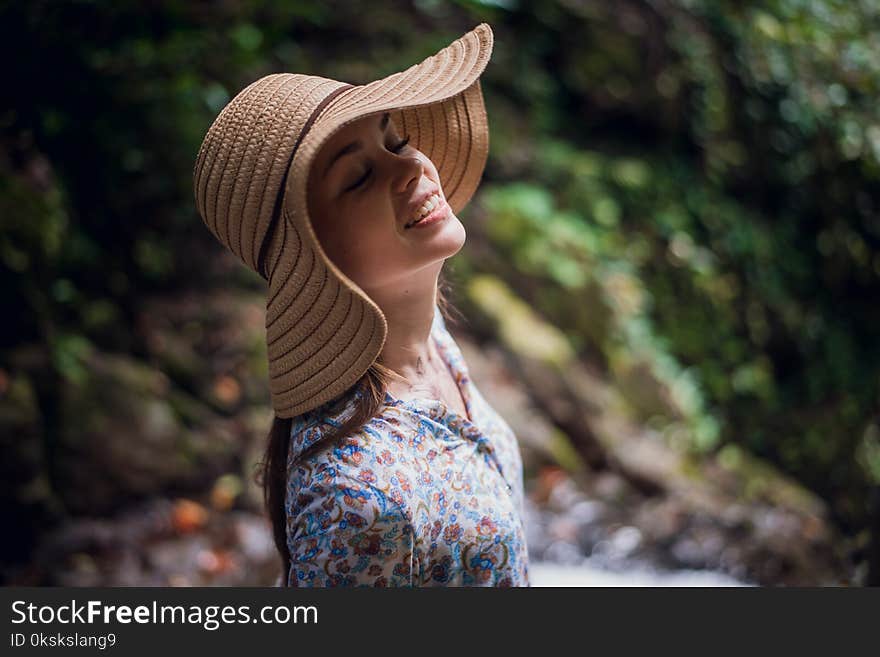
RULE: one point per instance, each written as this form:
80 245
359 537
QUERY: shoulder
333 491
379 455
374 460
344 528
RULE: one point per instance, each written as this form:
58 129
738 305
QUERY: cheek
364 244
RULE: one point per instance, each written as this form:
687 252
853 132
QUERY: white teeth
429 205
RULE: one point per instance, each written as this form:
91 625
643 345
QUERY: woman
385 465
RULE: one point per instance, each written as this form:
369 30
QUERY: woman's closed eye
360 181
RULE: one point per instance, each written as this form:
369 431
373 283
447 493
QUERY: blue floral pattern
420 496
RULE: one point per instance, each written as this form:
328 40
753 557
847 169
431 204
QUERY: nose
410 170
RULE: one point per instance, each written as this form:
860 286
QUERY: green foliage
583 256
732 176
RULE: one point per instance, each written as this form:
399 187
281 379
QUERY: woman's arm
346 532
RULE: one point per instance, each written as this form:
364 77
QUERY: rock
140 547
688 510
122 438
645 393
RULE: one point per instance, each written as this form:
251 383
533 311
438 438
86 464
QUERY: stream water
573 542
586 573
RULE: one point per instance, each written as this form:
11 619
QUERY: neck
409 310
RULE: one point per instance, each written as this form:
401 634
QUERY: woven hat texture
250 181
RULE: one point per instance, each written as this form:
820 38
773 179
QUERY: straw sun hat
322 331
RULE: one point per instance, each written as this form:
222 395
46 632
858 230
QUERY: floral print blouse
420 496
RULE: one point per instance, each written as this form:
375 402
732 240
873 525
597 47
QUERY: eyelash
363 178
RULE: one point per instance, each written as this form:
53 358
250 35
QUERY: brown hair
273 473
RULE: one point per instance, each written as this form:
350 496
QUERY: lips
437 214
414 208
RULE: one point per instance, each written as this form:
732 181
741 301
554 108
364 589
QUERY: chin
453 238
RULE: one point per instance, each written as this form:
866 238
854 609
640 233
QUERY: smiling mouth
430 211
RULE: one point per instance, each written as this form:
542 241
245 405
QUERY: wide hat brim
322 330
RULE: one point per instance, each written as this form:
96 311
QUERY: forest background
677 234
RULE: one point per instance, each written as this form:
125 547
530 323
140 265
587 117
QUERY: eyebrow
355 145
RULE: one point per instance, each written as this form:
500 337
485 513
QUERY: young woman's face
366 186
